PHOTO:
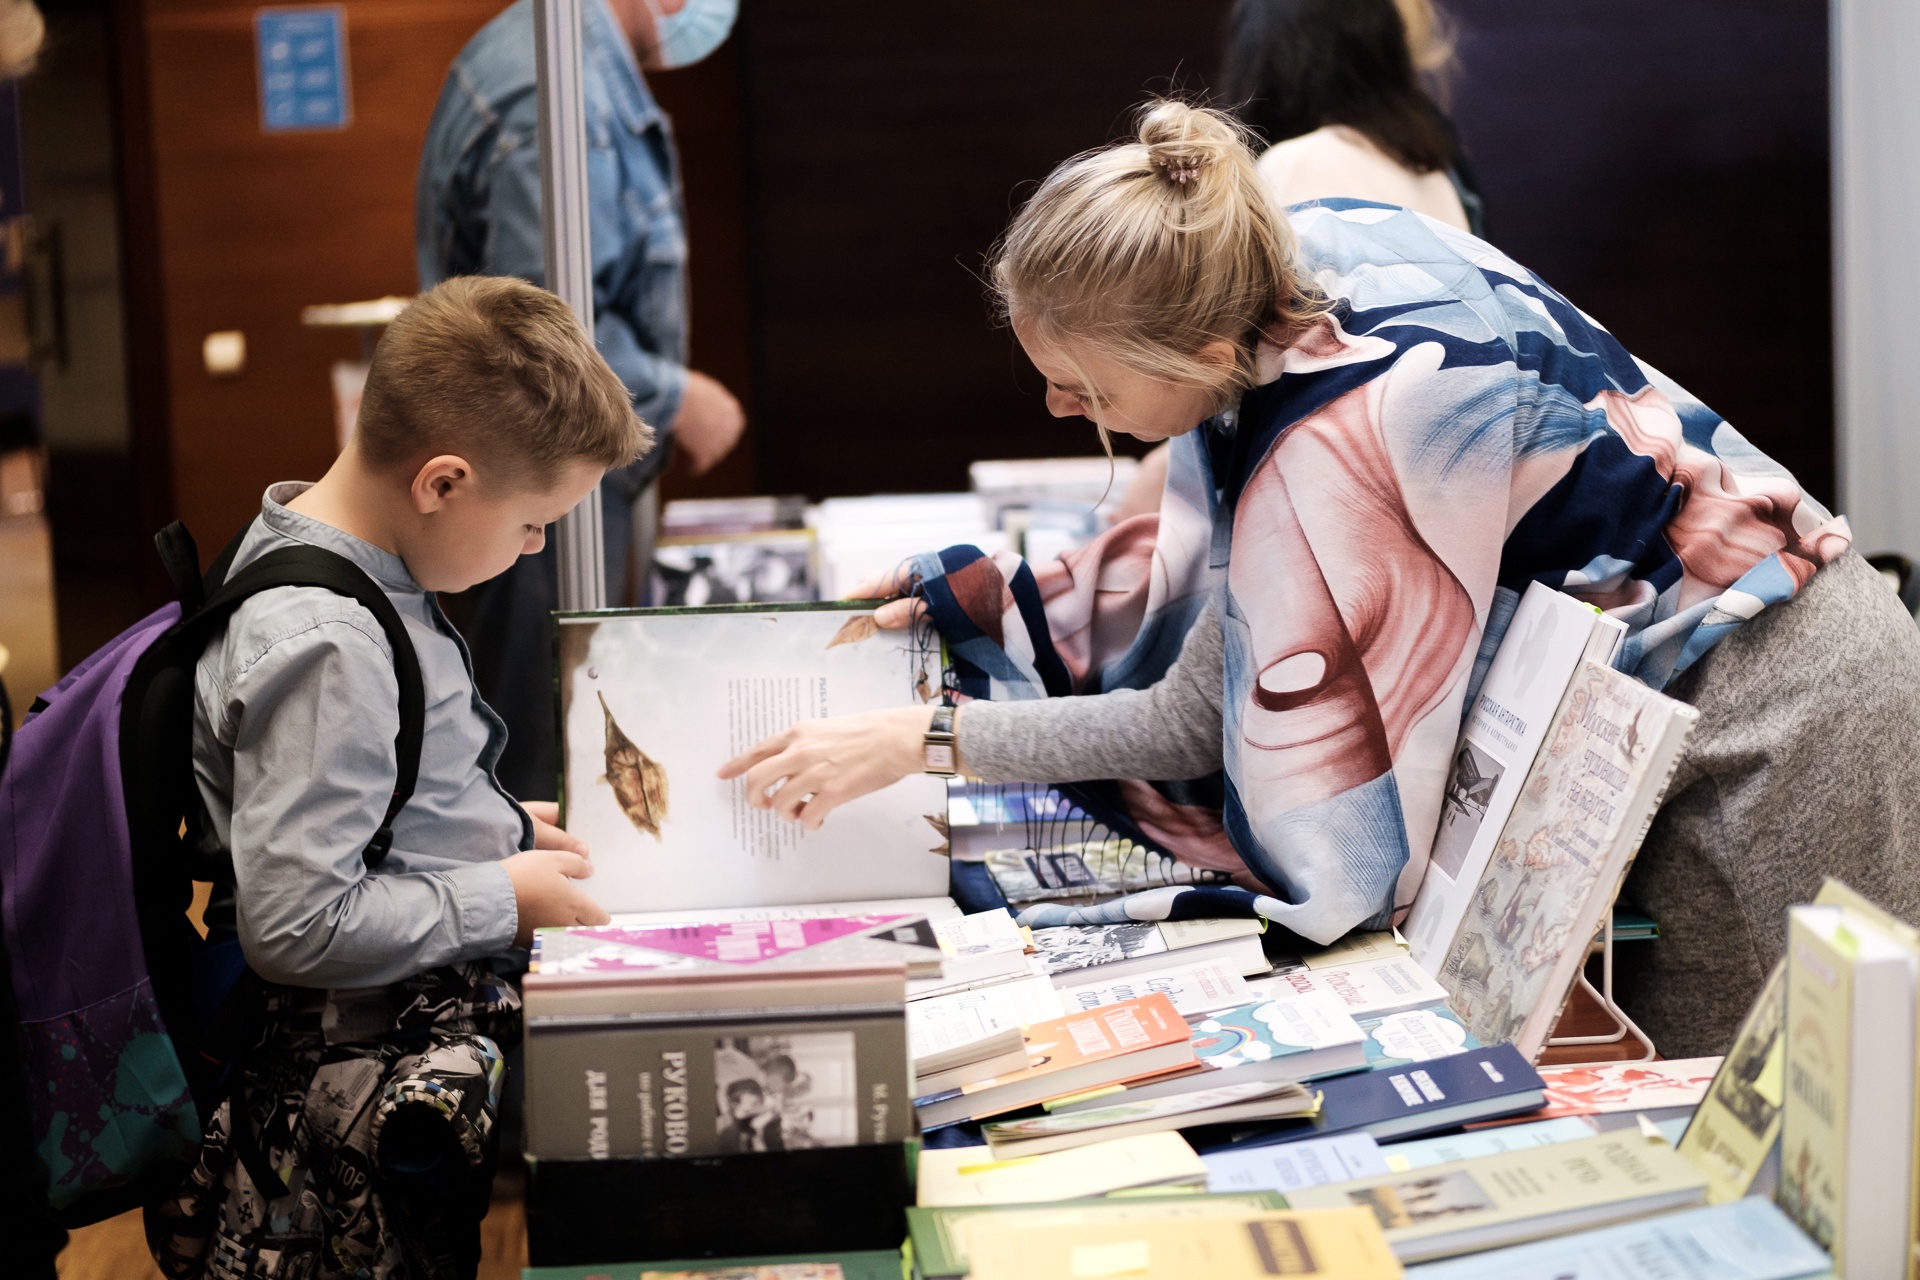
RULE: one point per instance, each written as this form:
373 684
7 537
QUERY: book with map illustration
653 701
1602 769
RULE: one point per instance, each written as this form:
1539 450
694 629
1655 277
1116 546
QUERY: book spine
1818 1067
697 1088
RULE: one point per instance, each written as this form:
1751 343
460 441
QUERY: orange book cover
1110 1031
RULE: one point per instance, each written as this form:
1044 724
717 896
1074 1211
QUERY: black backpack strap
308 566
181 556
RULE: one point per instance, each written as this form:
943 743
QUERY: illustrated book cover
1547 638
1518 1196
1603 765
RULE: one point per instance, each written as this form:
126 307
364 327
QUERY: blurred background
1665 163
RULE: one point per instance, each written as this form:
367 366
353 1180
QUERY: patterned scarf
1367 518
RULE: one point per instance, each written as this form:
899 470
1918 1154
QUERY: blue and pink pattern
1368 516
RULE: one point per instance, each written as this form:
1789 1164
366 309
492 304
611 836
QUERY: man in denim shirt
477 212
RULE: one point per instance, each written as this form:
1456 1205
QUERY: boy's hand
545 894
547 834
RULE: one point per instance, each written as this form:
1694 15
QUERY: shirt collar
384 567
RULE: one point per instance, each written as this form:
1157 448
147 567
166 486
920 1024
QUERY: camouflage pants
357 1140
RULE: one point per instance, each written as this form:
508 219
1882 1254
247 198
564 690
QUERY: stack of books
666 1040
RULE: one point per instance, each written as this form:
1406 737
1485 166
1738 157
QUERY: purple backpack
102 835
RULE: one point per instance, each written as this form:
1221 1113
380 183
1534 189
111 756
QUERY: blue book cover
1741 1240
1415 1035
1411 1100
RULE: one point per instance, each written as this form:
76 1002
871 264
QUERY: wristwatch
939 743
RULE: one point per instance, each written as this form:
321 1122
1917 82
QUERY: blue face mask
691 34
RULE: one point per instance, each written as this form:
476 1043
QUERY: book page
653 702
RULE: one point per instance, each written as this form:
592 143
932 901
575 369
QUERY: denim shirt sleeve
310 712
628 287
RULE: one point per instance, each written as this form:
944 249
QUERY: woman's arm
1170 731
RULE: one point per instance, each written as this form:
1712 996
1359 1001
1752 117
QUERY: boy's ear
438 479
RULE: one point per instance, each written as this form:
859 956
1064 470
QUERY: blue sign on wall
303 68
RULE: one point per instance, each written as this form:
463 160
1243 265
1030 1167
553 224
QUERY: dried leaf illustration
856 630
638 780
938 821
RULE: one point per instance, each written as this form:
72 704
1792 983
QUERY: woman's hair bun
1183 141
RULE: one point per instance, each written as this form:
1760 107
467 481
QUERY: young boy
487 416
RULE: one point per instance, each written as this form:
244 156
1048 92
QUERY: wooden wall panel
1664 164
886 146
252 226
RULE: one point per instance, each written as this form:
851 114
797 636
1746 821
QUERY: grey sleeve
1169 731
311 718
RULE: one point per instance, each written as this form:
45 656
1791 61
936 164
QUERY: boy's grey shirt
295 710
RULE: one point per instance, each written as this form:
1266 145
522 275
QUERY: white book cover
981 934
653 702
947 1022
1292 1166
1369 987
1548 636
1195 987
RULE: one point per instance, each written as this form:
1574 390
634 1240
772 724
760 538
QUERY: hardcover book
1331 1244
1546 640
971 1176
950 1031
1419 1153
1226 1101
616 952
939 1236
1134 1039
653 702
1518 1195
1196 987
1657 1090
1847 1123
674 1087
1364 987
1603 765
1295 1165
1407 1102
1272 1040
1742 1240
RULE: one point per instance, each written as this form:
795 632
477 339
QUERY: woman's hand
818 765
547 833
899 615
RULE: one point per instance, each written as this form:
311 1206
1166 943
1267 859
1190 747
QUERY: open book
653 701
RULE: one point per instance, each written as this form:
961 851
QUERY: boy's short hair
744 1088
501 372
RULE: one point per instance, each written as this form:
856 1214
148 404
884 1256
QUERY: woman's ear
1219 353
438 481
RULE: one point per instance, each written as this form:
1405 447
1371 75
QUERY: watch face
939 757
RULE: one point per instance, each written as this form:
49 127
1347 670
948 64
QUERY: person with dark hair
1334 88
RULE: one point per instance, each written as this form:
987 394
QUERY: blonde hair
496 369
1149 251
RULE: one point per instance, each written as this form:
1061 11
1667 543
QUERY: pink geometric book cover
615 948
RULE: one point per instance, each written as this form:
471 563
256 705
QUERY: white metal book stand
1623 1025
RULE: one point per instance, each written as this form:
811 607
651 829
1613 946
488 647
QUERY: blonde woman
1383 430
